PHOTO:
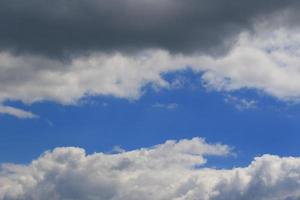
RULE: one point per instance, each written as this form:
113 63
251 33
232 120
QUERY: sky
154 100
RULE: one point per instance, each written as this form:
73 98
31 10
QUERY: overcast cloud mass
62 27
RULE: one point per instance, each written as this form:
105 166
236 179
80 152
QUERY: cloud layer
62 27
173 170
72 49
266 62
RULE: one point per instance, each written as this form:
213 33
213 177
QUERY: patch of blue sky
100 123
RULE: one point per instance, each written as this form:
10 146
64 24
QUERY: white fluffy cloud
268 61
167 171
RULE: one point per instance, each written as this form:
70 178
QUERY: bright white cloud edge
163 172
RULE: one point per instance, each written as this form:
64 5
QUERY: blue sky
97 124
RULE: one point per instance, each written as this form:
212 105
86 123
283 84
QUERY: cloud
163 172
35 78
67 28
265 58
265 62
169 106
68 173
7 110
240 103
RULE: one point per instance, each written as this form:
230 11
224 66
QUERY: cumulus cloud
68 173
173 170
266 61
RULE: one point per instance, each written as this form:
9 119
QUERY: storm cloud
58 28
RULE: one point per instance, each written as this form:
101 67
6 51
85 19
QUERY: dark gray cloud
58 27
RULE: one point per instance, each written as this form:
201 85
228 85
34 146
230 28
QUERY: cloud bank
74 49
266 62
63 27
173 170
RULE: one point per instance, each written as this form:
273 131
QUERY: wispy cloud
241 103
168 106
16 112
117 149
